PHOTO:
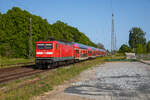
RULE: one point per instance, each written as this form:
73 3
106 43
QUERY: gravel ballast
114 81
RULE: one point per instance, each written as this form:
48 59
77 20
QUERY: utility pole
113 37
30 40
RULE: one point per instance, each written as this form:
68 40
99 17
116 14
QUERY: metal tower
113 36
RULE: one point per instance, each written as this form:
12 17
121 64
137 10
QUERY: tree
136 36
100 45
124 48
140 49
148 47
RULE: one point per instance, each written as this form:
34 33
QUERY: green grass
25 89
47 81
113 57
6 62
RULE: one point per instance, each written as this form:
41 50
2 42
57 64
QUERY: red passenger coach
76 51
52 52
80 51
89 52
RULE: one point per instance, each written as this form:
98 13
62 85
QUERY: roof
82 46
61 42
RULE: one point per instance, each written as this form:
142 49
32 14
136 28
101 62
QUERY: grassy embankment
26 88
12 62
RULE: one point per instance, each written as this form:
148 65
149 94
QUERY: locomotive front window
40 46
44 46
48 46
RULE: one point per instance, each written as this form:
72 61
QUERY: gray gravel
114 81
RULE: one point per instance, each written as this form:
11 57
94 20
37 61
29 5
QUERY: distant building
130 55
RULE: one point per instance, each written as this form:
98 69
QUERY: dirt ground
110 81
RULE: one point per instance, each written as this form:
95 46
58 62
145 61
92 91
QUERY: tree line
137 42
15 29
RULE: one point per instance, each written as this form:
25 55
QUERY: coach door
76 53
59 52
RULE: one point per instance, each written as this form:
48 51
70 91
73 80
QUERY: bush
124 48
148 47
140 49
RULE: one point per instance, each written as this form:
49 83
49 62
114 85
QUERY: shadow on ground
131 87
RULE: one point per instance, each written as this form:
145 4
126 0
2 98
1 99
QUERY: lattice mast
113 36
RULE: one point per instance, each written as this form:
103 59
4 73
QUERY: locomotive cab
52 53
44 53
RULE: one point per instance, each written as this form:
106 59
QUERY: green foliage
14 32
140 49
124 48
148 47
136 36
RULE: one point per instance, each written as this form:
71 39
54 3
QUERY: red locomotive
53 53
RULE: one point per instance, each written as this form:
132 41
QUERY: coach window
77 51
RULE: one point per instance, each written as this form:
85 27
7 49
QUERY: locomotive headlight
49 52
39 53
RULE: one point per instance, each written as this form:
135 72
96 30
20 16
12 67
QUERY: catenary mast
113 36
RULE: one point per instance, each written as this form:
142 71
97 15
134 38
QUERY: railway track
8 74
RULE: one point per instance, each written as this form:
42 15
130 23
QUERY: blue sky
92 17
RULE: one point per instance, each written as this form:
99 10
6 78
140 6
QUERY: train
49 54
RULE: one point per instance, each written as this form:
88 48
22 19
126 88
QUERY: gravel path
110 81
